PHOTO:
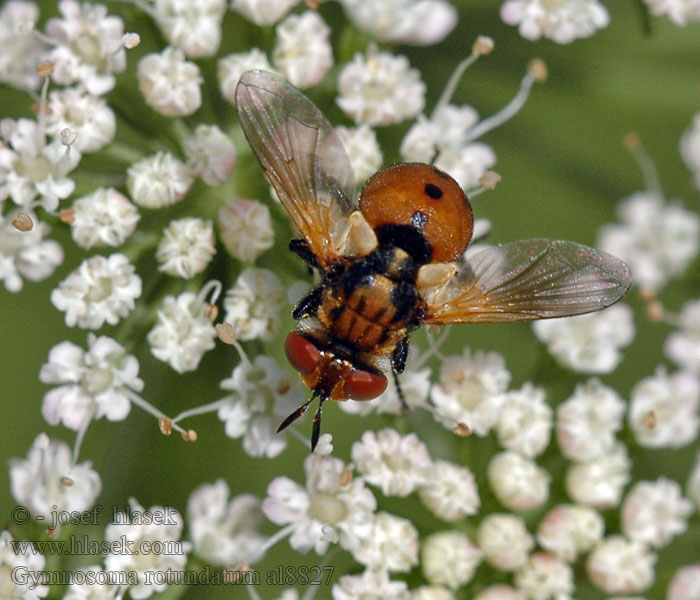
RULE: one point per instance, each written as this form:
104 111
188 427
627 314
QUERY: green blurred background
563 168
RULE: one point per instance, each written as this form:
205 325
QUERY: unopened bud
68 137
131 40
23 222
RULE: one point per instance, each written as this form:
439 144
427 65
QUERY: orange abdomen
364 318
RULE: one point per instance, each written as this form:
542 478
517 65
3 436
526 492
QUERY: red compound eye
364 385
301 353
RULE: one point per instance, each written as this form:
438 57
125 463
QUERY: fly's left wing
528 279
305 162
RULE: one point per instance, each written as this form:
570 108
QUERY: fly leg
398 365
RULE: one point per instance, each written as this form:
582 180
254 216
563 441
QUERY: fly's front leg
301 249
309 304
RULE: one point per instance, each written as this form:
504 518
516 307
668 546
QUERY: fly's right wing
306 164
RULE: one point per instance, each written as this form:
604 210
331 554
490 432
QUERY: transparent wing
302 157
528 279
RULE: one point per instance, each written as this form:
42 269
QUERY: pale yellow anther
67 481
483 45
538 70
631 141
462 430
211 311
67 215
44 68
190 435
23 222
489 180
166 425
225 332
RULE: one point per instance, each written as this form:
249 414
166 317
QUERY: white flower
562 21
421 23
518 482
380 89
525 421
22 50
100 290
589 343
654 512
158 180
363 150
38 481
254 304
170 84
88 116
690 148
431 592
545 576
332 507
450 491
369 585
263 12
447 134
599 482
685 584
91 583
471 390
664 409
657 239
620 566
389 544
27 562
90 47
210 153
194 27
262 395
693 485
103 218
26 253
186 248
397 463
588 420
162 530
232 66
30 167
302 50
569 530
678 11
449 558
683 345
500 592
246 229
415 384
224 532
505 541
92 384
183 334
